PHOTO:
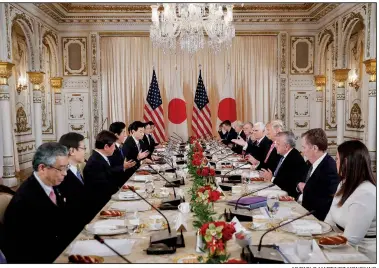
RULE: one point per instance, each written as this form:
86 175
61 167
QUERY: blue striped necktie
277 168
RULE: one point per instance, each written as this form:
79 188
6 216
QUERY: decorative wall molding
355 118
26 150
96 109
283 95
75 83
77 45
301 125
23 124
283 51
76 107
302 54
302 81
301 104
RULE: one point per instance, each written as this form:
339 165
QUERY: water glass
149 188
304 249
272 203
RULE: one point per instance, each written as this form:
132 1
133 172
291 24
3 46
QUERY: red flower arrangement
208 193
216 234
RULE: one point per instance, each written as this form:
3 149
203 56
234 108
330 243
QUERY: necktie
277 168
79 176
269 152
53 197
122 153
148 139
309 174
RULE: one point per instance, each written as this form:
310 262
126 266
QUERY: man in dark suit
100 181
221 132
133 148
149 142
124 169
320 183
238 125
291 167
34 220
72 188
230 133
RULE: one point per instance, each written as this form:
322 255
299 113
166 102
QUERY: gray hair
249 123
47 153
277 124
239 124
290 138
260 125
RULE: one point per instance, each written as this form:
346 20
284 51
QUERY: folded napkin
288 250
131 206
141 177
306 226
93 247
238 226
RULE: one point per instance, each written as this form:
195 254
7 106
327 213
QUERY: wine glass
304 249
149 188
272 202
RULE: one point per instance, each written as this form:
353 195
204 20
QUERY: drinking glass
303 249
149 188
272 203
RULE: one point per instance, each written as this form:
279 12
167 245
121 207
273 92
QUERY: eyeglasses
65 169
83 148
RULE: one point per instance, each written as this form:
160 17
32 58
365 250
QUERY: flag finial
200 66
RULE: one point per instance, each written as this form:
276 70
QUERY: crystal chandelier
185 24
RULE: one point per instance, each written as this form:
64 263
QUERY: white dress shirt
284 158
358 217
45 187
106 158
137 143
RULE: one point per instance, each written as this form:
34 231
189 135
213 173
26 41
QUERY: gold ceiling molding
140 14
320 80
77 7
341 75
147 34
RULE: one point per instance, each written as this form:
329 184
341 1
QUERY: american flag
153 110
201 119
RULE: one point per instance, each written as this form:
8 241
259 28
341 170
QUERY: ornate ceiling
105 13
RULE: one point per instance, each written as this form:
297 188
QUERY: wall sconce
22 85
354 81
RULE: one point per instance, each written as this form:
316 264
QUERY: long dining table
141 236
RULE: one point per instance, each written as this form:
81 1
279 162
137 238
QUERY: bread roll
332 240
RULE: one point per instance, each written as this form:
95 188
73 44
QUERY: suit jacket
272 161
117 167
34 225
320 189
130 151
229 136
259 151
291 172
76 202
238 148
100 183
222 135
150 146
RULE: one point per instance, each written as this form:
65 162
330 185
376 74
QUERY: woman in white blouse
353 210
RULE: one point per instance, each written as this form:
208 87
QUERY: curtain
127 65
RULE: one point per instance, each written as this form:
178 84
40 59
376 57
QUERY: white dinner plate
325 228
107 227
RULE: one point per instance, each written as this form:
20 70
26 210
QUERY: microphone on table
269 253
99 239
175 139
178 136
239 167
170 162
224 158
168 239
176 201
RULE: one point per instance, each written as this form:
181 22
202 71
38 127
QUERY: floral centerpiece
215 235
208 174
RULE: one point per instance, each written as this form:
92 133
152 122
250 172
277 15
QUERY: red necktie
269 152
53 197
